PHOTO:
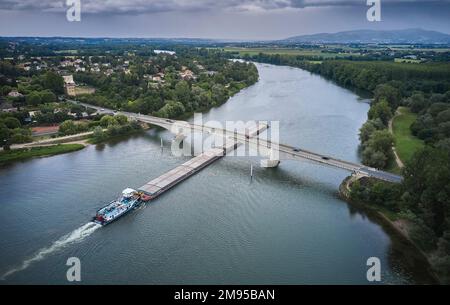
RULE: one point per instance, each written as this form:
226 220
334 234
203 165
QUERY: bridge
274 152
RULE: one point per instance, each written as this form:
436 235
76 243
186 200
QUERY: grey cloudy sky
223 19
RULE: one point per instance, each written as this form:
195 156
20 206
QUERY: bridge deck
166 181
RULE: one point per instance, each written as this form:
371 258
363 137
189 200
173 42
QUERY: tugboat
129 200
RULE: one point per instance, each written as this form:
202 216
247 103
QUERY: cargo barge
132 199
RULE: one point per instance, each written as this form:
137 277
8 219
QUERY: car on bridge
296 149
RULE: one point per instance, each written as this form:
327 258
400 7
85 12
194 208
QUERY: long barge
131 199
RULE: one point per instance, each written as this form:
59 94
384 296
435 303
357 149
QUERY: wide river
287 226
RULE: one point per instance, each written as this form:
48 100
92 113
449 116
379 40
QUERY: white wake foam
75 236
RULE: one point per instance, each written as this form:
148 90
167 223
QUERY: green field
406 144
287 51
25 153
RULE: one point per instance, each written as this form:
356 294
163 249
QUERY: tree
47 96
417 102
54 82
427 180
183 93
21 135
443 116
171 110
374 158
98 134
369 128
219 94
108 120
200 98
437 108
12 123
121 119
387 93
5 134
34 98
68 128
382 111
382 140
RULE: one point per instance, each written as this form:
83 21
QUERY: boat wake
75 236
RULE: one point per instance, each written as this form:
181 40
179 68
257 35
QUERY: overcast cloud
157 6
239 19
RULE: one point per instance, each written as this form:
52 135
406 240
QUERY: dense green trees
423 198
381 110
116 126
433 122
69 127
171 109
135 93
53 82
377 150
11 131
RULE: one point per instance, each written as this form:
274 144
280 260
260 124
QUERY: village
37 92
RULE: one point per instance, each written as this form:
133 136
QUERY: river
286 226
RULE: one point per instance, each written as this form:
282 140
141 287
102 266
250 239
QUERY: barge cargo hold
158 186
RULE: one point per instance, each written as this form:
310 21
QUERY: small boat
129 200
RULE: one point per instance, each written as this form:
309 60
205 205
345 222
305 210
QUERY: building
7 107
14 93
158 77
164 52
187 75
69 85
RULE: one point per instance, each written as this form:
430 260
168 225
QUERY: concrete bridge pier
272 162
178 139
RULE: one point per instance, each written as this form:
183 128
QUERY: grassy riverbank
27 153
406 144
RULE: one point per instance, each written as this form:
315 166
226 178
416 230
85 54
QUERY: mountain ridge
414 35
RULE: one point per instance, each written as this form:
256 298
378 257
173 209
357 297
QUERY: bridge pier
179 138
267 163
177 142
272 162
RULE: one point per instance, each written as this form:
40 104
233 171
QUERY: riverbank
20 154
397 228
60 145
95 141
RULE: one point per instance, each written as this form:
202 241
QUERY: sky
216 19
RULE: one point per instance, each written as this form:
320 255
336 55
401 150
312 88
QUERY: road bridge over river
273 151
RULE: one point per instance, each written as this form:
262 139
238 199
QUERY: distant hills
408 36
